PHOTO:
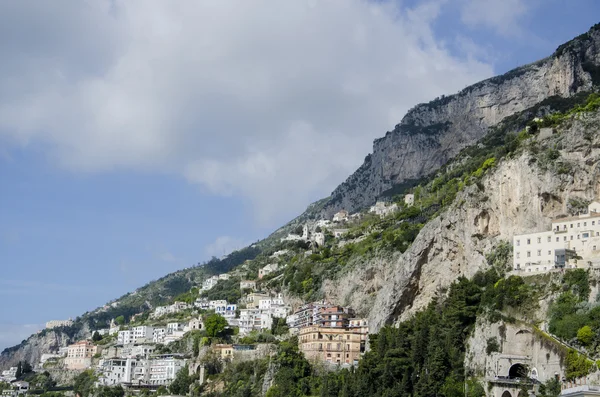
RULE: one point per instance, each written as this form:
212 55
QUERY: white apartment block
577 236
142 333
158 336
117 371
227 310
163 369
125 337
158 370
59 323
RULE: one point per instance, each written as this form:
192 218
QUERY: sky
139 137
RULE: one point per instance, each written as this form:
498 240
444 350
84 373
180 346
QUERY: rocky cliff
521 194
430 134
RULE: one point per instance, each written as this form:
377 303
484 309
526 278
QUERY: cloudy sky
138 137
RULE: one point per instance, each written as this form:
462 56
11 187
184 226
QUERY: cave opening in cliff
518 371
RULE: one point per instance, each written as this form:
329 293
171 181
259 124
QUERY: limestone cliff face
517 196
431 134
38 344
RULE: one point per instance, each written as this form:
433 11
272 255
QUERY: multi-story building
9 375
571 240
253 300
228 310
117 371
195 324
80 354
142 333
125 337
335 317
212 305
164 368
59 323
308 314
224 352
334 336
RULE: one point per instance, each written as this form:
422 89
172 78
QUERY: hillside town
140 355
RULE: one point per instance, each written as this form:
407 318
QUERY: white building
383 209
409 200
142 333
117 371
202 304
176 307
577 236
59 323
125 337
224 276
164 368
340 216
9 375
195 324
248 284
273 267
209 283
337 233
158 336
227 310
261 317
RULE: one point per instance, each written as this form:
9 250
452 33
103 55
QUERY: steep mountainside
486 190
430 134
521 194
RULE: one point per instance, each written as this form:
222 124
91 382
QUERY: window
528 241
565 238
578 237
518 255
549 252
518 243
529 254
557 239
539 240
594 248
585 235
571 237
549 239
571 226
578 224
584 223
539 252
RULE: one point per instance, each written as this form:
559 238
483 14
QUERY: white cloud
276 101
224 245
502 16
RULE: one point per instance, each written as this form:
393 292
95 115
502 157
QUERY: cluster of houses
176 307
59 323
139 369
19 388
571 242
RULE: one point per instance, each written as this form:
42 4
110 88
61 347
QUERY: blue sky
137 139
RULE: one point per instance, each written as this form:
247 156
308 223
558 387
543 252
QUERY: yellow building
224 352
333 345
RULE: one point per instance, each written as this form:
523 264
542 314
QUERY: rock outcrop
517 196
430 134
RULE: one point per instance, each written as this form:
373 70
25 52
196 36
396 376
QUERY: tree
120 320
181 383
96 337
19 372
83 383
585 335
162 391
26 367
215 325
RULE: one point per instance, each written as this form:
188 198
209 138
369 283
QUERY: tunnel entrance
506 394
518 371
